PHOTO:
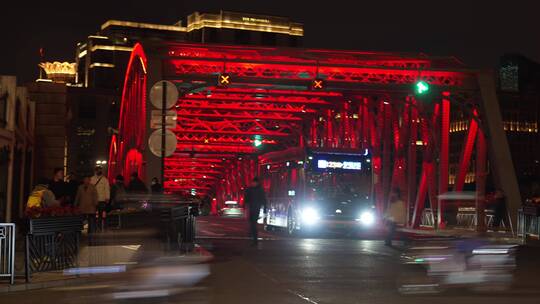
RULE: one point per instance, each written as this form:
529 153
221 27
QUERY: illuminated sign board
257 20
345 165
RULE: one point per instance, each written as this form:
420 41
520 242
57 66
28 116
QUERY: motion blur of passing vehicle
471 263
232 209
316 190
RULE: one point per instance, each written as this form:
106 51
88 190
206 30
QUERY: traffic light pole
163 126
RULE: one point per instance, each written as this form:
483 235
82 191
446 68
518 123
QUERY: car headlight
367 218
310 215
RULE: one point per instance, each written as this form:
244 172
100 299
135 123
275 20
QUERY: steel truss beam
365 75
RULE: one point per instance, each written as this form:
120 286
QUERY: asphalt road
278 270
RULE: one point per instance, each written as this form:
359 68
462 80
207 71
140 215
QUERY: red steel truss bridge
284 97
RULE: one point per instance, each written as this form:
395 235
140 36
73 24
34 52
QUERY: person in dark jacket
58 186
156 186
118 191
72 186
255 199
136 185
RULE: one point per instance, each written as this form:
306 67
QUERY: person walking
87 202
136 185
58 186
395 216
156 187
255 199
118 191
101 183
72 186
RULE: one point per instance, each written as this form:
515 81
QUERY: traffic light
224 79
421 87
257 141
317 84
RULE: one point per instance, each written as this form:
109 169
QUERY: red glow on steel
466 156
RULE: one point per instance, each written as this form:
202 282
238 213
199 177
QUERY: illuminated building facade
519 100
102 58
244 29
16 148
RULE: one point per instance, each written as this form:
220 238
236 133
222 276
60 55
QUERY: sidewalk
108 258
499 237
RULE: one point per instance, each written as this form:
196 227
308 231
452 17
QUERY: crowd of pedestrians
94 196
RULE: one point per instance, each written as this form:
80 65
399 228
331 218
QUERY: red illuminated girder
444 154
251 70
173 175
131 137
172 186
193 111
203 157
192 170
386 151
255 96
229 106
210 139
215 148
307 56
234 127
466 155
199 164
427 169
210 159
296 96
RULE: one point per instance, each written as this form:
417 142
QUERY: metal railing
428 219
7 251
466 218
529 222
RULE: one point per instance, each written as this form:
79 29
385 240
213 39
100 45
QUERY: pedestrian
72 186
87 202
395 216
101 183
136 185
41 196
118 191
156 186
254 198
58 186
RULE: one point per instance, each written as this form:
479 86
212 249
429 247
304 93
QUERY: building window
509 77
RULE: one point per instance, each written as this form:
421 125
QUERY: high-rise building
102 58
519 101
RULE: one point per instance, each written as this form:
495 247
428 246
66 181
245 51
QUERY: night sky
476 31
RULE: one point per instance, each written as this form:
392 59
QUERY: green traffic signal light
257 141
421 87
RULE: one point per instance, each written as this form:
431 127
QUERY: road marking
302 297
273 280
223 237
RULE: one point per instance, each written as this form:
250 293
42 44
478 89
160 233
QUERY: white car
232 209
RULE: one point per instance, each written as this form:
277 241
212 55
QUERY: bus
312 190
